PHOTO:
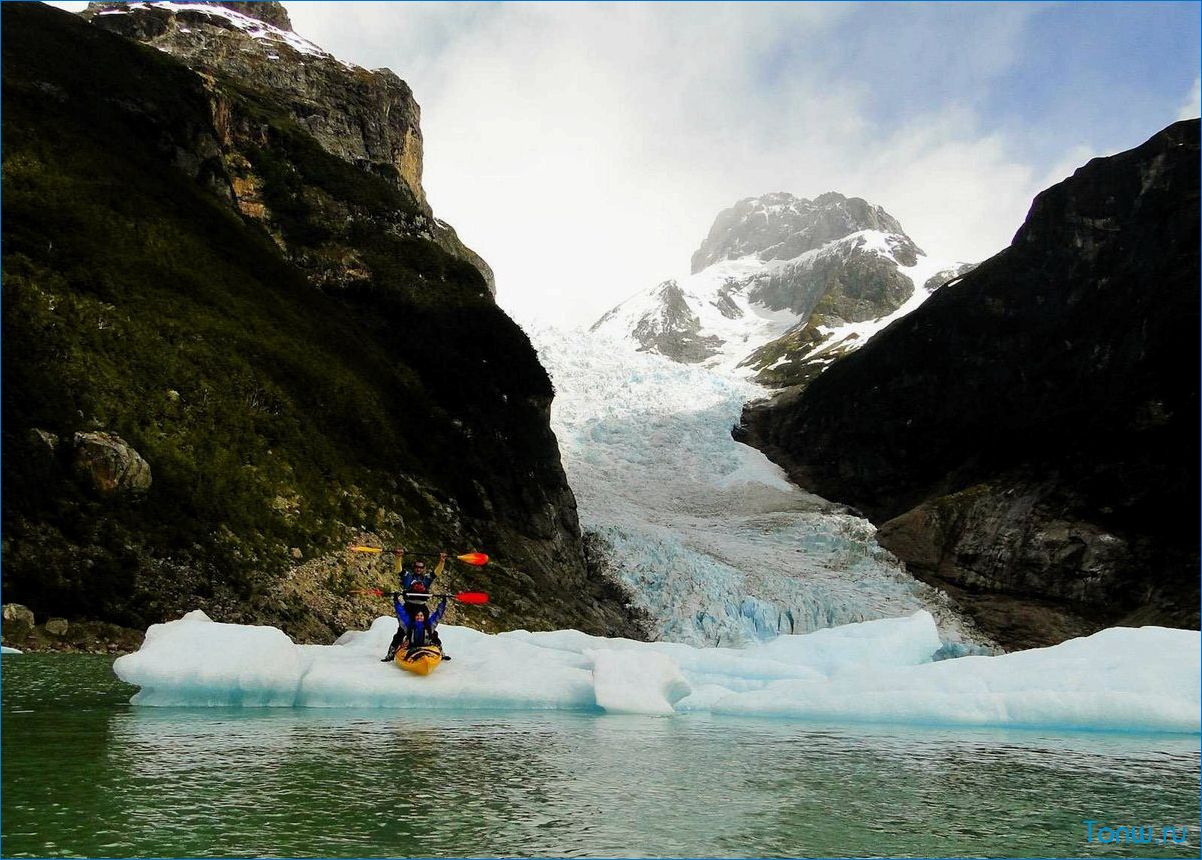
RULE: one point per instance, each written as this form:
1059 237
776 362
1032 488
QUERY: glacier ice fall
715 543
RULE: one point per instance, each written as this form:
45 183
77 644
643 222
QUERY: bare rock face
111 464
780 226
1028 437
676 330
368 118
365 117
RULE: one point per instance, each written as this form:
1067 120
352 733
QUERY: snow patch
253 27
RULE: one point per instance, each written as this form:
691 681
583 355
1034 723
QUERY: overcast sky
584 149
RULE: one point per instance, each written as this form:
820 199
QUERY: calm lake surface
87 774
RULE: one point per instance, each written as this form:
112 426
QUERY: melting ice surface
715 543
1144 679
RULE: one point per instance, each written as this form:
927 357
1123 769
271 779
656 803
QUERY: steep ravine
1028 438
232 346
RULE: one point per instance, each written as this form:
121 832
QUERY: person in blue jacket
416 630
416 583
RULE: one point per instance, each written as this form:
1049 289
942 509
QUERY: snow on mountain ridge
253 27
782 226
784 278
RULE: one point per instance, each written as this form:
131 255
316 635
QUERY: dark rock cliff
268 352
1028 438
369 118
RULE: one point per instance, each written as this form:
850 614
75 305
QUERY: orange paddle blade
472 597
473 558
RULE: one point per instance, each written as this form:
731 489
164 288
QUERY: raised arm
401 615
436 615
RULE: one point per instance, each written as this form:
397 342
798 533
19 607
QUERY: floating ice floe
1129 679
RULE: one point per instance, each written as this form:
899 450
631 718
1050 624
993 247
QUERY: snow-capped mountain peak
780 279
780 226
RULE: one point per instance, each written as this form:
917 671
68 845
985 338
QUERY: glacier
710 537
1127 679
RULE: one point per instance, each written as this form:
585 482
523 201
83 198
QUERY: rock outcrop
110 464
273 324
1028 438
675 331
781 226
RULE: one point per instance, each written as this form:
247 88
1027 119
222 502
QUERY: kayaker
417 583
416 630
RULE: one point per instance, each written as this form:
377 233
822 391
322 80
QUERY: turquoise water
84 773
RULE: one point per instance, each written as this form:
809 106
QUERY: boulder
57 626
18 621
110 463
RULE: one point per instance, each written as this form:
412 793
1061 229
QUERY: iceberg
1127 679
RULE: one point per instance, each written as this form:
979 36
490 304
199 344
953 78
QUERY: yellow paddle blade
374 549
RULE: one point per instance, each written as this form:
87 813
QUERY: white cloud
584 150
1193 102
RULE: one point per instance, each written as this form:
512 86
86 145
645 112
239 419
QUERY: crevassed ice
1143 679
715 543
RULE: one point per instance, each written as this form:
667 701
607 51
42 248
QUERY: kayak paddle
476 559
473 597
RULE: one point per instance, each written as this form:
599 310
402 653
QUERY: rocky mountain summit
782 286
235 341
1028 438
780 227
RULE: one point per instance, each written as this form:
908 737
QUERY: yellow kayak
419 661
